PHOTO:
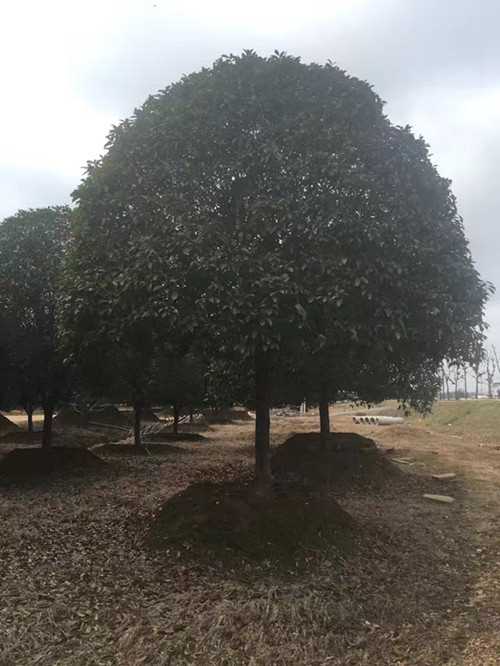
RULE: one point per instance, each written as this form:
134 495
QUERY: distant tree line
467 380
256 233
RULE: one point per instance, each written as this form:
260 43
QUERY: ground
408 582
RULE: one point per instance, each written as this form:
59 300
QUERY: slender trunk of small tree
28 408
465 381
191 417
48 414
477 387
324 415
263 475
137 424
176 418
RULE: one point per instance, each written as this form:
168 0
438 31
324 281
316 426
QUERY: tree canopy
264 207
32 248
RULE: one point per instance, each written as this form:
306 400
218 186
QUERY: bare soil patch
351 460
20 437
28 463
110 415
231 520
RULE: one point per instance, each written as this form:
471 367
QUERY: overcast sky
69 70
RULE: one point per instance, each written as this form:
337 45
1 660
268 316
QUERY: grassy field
477 418
123 564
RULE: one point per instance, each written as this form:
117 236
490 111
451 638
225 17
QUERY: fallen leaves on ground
81 586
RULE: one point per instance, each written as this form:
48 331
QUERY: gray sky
70 70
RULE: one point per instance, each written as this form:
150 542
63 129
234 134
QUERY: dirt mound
22 437
65 437
229 519
228 415
7 426
69 417
131 450
110 415
350 459
32 463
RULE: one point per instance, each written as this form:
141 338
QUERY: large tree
32 248
277 201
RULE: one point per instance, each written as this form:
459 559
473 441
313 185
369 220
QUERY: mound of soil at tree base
110 415
121 449
22 437
7 426
230 519
222 416
69 437
35 462
69 417
350 459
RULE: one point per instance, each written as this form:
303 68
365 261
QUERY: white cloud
70 70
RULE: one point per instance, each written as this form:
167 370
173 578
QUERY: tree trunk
465 382
176 418
137 424
324 415
28 408
191 416
48 414
263 475
477 387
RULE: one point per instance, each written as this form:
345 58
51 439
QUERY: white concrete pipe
378 420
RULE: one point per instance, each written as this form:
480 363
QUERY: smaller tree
455 376
476 367
179 381
490 370
32 248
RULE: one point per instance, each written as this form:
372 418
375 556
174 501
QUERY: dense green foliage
264 216
32 247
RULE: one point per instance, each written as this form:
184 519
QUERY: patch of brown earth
227 519
29 463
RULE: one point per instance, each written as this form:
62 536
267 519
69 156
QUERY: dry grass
417 583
